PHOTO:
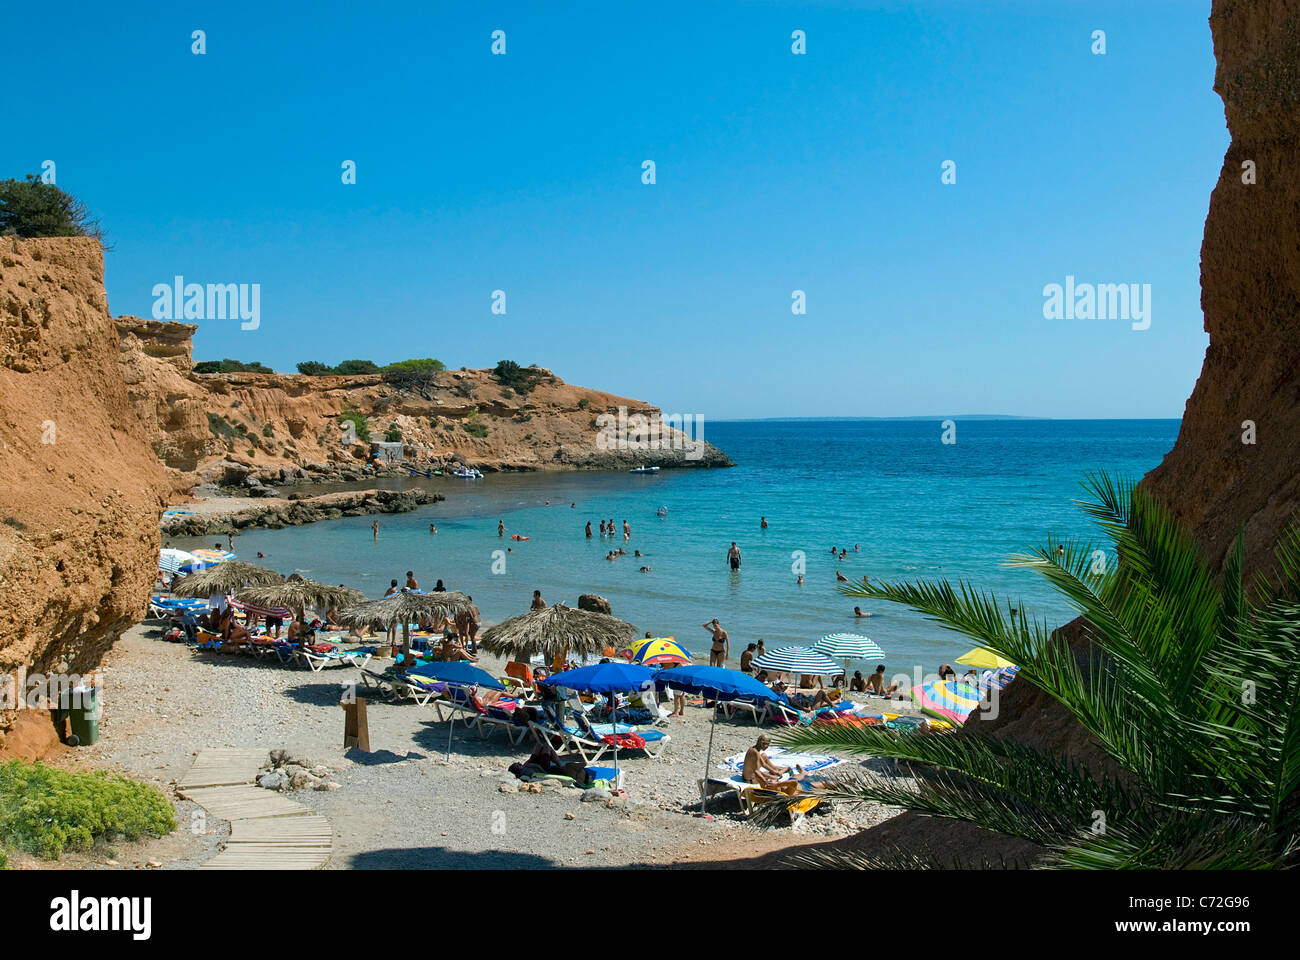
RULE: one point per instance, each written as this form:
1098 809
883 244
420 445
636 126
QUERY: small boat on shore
644 470
468 473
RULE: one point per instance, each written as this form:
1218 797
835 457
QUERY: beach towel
811 762
625 741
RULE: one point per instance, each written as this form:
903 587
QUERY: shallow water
916 508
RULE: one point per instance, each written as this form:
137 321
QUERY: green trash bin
81 706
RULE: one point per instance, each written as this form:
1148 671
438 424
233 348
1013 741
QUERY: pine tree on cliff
33 208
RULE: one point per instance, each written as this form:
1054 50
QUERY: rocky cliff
80 488
103 421
220 428
1214 479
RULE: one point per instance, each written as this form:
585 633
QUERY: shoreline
216 515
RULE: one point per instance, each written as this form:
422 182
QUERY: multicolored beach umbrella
204 558
951 700
797 660
658 651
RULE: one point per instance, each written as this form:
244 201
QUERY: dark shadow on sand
440 858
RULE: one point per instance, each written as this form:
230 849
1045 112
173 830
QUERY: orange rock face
80 487
1213 479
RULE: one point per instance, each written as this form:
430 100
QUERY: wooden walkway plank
268 831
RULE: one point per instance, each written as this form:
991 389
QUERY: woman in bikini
721 649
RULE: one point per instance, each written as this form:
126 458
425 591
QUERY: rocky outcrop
230 515
593 602
1237 460
80 487
287 427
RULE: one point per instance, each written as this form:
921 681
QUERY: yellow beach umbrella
984 659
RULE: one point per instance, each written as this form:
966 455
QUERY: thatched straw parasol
225 578
405 607
297 593
557 631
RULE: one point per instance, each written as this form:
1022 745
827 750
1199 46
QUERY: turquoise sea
916 509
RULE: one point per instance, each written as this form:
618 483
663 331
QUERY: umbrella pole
708 760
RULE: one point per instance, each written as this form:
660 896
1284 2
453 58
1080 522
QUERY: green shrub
268 431
520 379
219 427
230 366
358 420
314 368
475 429
44 810
424 365
583 403
393 434
33 208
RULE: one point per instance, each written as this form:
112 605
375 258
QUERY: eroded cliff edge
80 488
1215 483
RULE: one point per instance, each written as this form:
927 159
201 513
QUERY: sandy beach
406 804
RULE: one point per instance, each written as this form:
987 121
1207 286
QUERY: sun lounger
656 741
519 678
461 703
319 661
562 739
733 786
730 708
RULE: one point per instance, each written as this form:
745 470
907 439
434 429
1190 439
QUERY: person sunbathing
452 649
876 684
760 770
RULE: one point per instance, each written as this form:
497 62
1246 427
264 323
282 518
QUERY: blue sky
775 172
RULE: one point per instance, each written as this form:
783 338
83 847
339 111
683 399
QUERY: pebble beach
409 803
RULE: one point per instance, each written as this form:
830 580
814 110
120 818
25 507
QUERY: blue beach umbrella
612 677
460 673
719 683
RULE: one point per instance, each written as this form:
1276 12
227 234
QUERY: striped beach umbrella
951 700
658 651
170 560
1000 678
849 646
797 660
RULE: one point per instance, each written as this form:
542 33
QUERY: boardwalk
268 831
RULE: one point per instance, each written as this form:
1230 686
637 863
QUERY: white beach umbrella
797 660
170 560
849 646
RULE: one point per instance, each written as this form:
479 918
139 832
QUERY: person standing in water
588 529
733 556
374 529
538 603
721 649
762 523
627 531
501 528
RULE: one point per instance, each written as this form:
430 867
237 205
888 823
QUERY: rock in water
594 603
